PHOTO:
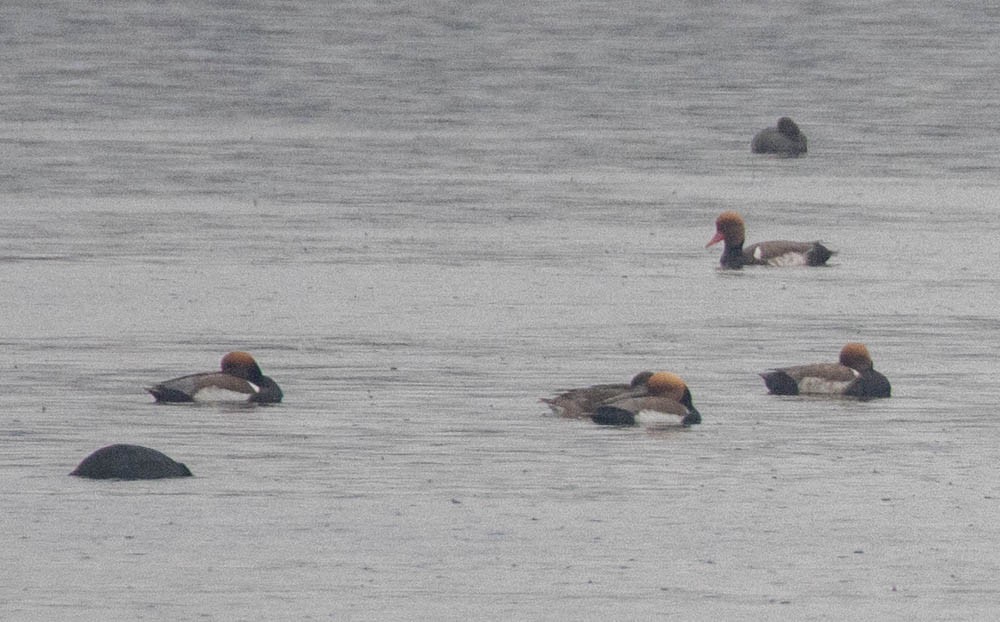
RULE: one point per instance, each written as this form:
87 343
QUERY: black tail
612 415
780 383
818 254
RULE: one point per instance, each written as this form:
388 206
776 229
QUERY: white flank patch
811 384
787 260
218 394
656 419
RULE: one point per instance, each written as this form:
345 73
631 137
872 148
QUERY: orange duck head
666 384
855 356
241 365
729 227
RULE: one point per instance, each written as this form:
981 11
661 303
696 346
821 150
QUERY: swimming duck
240 380
786 139
129 462
729 227
577 403
854 376
663 394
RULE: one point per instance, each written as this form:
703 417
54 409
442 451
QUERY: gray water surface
420 217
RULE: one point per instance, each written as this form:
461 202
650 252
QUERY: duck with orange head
664 396
853 376
240 380
730 228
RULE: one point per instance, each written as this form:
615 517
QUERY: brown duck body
853 376
240 380
730 228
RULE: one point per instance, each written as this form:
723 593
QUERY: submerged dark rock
129 462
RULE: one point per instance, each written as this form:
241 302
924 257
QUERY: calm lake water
420 217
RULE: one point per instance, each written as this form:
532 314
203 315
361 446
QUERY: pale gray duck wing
582 402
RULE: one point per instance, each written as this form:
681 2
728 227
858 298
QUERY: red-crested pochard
853 376
786 139
240 380
582 402
729 227
663 394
